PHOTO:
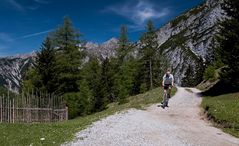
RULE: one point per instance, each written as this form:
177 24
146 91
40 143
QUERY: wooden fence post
13 111
66 113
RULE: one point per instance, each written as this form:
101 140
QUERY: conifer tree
45 66
41 77
107 80
228 39
149 60
69 57
123 44
124 78
92 74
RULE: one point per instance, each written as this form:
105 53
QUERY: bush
209 73
77 104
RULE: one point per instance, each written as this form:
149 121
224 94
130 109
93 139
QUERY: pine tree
149 60
45 66
92 74
123 44
228 39
124 79
69 57
41 77
107 80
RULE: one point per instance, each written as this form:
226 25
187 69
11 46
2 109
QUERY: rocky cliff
185 42
106 49
12 70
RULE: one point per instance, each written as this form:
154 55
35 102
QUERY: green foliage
4 91
124 67
123 44
77 102
209 73
191 79
143 88
126 79
92 73
228 39
149 62
32 81
45 67
68 57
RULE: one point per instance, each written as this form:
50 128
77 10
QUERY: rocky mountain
185 42
12 70
106 49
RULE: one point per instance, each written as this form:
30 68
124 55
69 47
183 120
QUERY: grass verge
224 111
57 133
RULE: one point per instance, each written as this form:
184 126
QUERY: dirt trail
178 125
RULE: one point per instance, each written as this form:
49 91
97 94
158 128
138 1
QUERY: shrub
209 73
77 104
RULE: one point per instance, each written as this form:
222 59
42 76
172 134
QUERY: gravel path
178 125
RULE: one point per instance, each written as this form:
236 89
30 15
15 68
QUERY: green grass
58 133
224 111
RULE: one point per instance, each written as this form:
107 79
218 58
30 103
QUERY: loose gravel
178 125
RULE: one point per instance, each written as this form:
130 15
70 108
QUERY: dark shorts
166 86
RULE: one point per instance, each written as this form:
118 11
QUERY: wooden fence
30 108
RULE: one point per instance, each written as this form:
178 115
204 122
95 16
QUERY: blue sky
25 23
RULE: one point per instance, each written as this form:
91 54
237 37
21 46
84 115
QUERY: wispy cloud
23 8
138 12
33 7
42 1
16 5
35 34
4 37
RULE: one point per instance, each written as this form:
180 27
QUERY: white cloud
138 12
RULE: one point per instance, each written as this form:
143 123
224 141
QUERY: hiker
168 83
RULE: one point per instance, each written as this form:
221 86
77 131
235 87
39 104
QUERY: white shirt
168 80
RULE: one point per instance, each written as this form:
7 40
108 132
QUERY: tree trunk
151 76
